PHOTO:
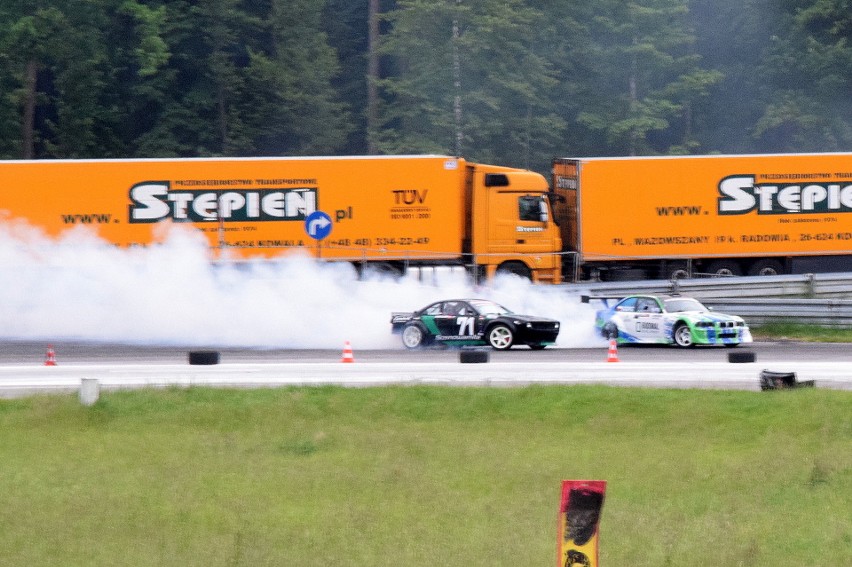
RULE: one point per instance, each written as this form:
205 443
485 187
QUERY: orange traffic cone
347 353
612 355
50 360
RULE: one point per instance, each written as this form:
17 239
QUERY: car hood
707 316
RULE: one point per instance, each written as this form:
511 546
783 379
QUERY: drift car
668 319
461 322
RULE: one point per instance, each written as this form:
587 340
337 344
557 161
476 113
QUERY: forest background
510 82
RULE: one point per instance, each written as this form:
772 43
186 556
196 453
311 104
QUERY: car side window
453 308
646 305
628 304
434 309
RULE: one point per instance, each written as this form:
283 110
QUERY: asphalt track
23 372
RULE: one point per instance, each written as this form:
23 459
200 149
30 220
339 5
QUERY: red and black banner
579 516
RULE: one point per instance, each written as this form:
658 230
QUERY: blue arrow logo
318 225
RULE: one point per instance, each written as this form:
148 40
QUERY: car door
622 316
648 319
470 324
453 322
429 318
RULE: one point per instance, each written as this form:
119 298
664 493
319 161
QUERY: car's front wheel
501 337
682 335
413 336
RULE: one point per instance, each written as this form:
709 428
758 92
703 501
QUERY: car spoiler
399 319
605 299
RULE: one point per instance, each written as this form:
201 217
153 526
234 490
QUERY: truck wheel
724 268
677 271
516 269
682 335
766 268
413 336
500 337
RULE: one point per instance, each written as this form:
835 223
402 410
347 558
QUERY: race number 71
465 325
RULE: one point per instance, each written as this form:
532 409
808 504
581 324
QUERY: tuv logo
409 196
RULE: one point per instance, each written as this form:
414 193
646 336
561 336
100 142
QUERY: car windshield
684 304
489 308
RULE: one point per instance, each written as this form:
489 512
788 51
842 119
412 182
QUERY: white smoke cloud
77 287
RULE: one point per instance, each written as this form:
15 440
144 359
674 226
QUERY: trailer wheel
677 271
515 268
766 268
380 270
724 268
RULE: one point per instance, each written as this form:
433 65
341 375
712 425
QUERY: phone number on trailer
380 241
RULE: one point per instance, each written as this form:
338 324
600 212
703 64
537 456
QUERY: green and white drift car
668 319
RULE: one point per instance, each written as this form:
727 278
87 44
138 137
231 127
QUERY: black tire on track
741 356
203 357
473 356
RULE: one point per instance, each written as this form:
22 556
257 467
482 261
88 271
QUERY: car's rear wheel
500 337
682 335
413 336
610 331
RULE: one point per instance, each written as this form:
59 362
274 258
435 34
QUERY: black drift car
461 322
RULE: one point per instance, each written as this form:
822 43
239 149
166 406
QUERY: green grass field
424 476
800 332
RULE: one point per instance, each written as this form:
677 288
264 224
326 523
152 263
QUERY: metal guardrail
826 312
819 299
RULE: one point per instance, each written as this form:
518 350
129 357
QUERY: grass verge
800 332
424 475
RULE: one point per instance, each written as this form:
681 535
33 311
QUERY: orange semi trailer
386 213
664 217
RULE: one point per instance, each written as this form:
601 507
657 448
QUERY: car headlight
703 325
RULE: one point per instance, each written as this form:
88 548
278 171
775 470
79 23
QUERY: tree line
513 82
